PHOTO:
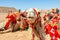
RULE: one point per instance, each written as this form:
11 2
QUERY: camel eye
31 17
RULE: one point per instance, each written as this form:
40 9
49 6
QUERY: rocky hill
7 9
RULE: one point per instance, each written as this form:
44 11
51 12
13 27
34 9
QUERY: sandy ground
2 16
19 35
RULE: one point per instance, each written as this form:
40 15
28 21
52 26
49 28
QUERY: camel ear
38 12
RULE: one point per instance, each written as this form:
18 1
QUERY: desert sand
2 16
24 35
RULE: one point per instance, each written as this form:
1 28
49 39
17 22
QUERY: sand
2 16
19 35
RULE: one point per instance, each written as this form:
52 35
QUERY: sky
25 4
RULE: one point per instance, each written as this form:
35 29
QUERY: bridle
34 24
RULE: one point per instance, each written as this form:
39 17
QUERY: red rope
36 21
35 12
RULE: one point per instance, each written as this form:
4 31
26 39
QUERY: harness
33 26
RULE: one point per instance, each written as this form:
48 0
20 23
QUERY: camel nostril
32 23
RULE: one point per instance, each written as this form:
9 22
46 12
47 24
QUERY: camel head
31 15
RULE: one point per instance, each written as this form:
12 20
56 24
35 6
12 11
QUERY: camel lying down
10 28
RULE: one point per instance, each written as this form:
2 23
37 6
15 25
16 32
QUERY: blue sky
24 4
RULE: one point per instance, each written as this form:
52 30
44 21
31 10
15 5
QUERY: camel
34 22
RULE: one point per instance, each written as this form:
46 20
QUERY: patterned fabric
52 31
